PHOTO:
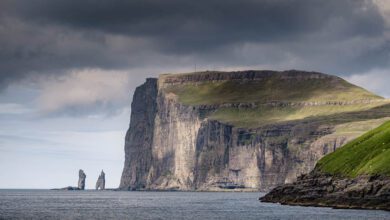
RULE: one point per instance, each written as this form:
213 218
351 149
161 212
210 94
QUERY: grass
358 127
368 154
270 89
263 115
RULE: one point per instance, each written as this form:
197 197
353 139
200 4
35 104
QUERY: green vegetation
273 89
368 154
359 127
262 115
270 89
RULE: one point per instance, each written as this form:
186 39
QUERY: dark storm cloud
46 36
206 24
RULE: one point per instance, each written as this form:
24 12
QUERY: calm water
46 204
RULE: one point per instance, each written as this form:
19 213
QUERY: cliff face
175 145
139 137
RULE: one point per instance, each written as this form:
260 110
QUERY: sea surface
48 204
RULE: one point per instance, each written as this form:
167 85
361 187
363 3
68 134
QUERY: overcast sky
68 68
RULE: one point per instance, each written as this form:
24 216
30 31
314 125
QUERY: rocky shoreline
324 190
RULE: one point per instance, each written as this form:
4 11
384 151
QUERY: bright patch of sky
47 152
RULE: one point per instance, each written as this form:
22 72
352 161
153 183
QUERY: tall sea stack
245 130
82 177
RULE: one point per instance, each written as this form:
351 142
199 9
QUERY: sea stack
82 176
100 184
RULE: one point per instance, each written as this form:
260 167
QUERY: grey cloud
190 25
53 36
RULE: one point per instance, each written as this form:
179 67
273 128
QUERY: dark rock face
317 189
82 177
139 137
172 146
101 182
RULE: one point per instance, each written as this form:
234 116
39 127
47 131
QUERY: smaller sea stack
100 184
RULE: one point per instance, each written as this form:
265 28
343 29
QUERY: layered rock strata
175 146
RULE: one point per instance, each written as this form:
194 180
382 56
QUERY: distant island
241 131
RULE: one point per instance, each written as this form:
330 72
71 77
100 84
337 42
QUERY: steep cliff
249 130
139 137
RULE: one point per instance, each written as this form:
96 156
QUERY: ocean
89 204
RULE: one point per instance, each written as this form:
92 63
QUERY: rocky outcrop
101 182
318 189
81 183
82 177
174 146
68 188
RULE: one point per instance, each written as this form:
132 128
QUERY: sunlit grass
368 154
271 89
263 115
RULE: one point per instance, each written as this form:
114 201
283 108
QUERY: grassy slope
273 89
368 154
266 115
357 128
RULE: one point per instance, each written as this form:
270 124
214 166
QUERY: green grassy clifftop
287 86
254 98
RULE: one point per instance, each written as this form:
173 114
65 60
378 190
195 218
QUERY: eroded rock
100 183
82 177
